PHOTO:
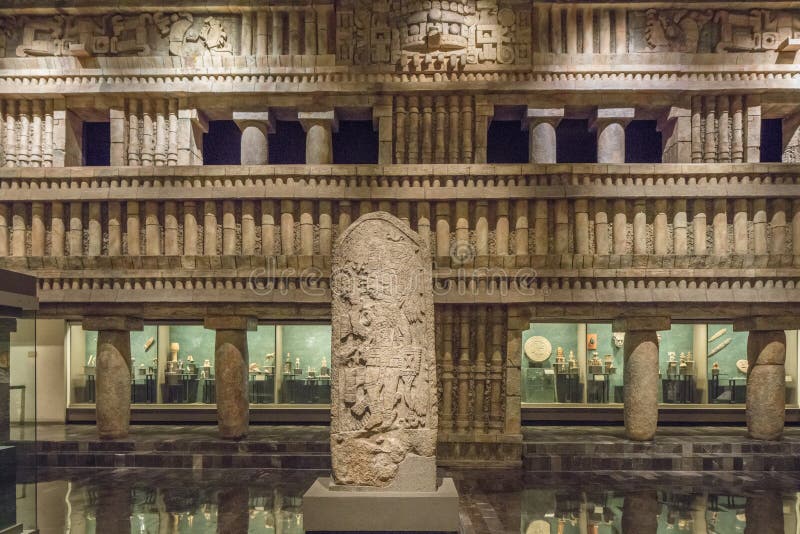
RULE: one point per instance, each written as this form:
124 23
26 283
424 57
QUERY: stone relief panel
711 30
434 33
384 399
147 34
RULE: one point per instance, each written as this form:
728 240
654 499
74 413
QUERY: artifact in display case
324 370
91 366
560 364
313 388
715 369
742 366
539 382
287 365
191 367
573 363
591 341
672 365
207 369
297 369
618 339
608 361
269 363
596 366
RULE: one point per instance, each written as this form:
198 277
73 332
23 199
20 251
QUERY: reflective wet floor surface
84 501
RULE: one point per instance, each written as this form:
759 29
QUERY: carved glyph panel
449 32
147 34
711 30
384 399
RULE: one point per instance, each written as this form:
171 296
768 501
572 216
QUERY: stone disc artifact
383 396
538 349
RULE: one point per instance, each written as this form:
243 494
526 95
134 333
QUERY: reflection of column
255 127
700 352
640 512
279 359
231 360
113 386
764 514
114 508
319 127
766 375
7 326
233 509
640 379
610 124
161 358
699 507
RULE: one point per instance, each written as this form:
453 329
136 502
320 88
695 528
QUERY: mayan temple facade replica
708 233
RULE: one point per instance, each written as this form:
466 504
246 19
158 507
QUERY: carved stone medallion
538 349
383 398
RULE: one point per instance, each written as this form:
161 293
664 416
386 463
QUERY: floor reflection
262 501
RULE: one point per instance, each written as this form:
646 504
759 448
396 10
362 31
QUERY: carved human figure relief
384 399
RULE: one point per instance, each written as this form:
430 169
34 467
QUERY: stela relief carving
384 397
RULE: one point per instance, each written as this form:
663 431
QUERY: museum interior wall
111 123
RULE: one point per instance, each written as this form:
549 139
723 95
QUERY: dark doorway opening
643 142
96 144
288 144
222 144
575 143
355 142
771 140
507 143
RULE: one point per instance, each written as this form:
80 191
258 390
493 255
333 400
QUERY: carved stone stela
384 399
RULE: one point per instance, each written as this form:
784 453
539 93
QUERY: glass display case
584 363
175 365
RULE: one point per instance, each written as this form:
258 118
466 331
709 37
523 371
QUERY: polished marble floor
87 501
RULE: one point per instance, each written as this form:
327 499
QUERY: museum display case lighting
698 364
173 365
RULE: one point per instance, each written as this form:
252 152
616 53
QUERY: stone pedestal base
331 508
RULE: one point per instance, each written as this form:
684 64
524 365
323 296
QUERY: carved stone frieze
384 401
712 30
146 34
433 34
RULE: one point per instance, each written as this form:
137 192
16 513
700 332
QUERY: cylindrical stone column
641 374
601 242
255 127
582 226
232 361
255 144
542 125
75 229
228 228
521 227
778 226
113 387
306 228
114 229
19 217
37 229
501 228
326 227
680 229
442 229
319 127
189 228
95 244
760 226
541 232
209 228
699 227
133 228
740 238
482 228
639 227
610 124
268 228
248 228
171 228
152 229
660 244
57 229
4 216
766 378
720 225
561 216
619 228
287 227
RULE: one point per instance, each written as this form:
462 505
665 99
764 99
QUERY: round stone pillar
232 361
641 374
610 124
113 380
766 384
255 127
542 125
319 127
